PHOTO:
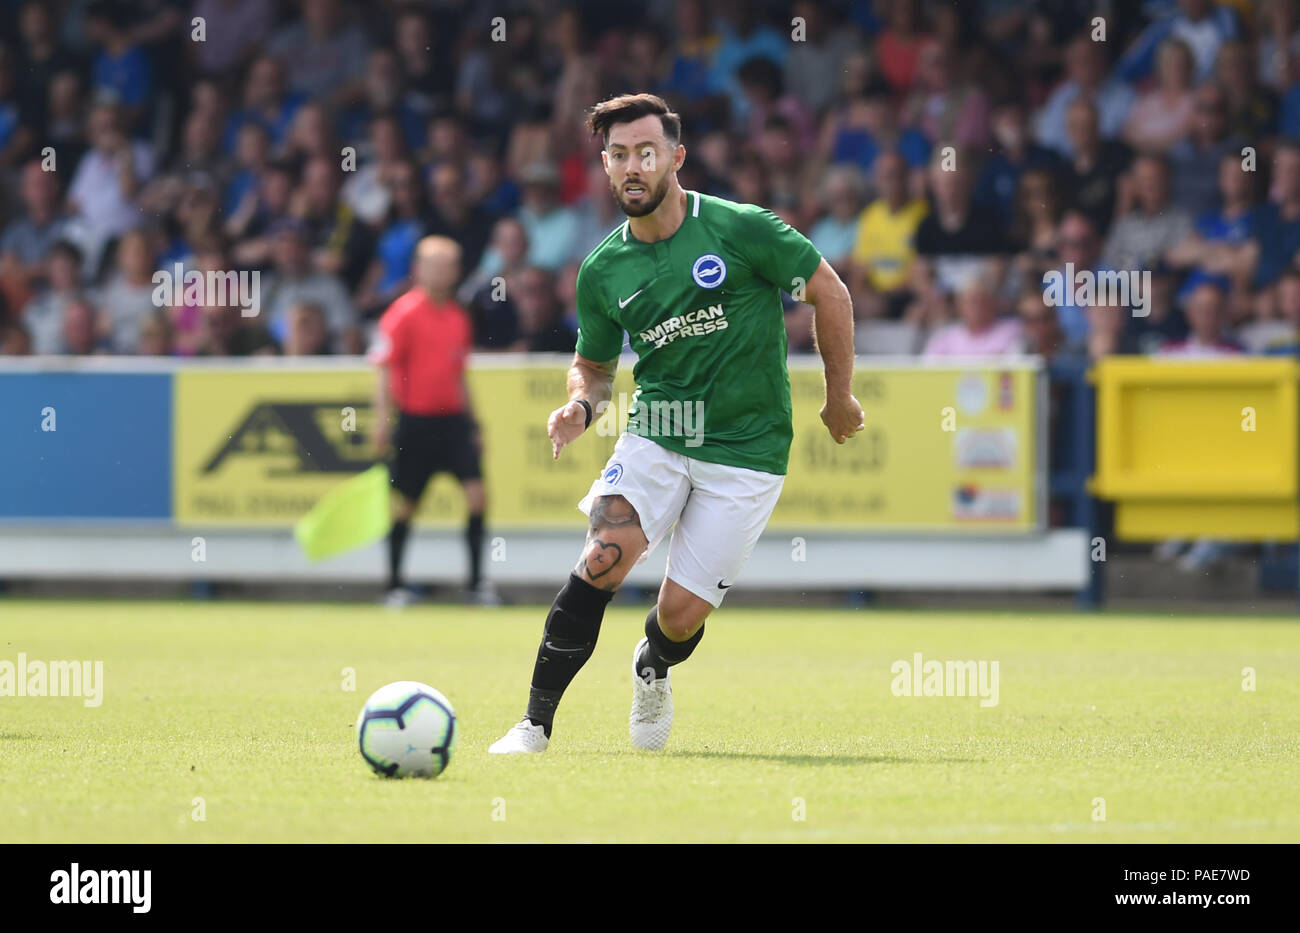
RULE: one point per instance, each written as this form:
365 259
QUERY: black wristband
587 405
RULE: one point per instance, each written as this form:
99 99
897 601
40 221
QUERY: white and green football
407 729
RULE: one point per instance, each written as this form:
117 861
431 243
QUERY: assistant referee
423 344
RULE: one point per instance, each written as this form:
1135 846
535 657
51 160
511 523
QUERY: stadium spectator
122 71
228 333
324 56
1277 48
552 228
597 212
389 273
43 315
978 330
1285 339
947 110
1162 117
128 297
308 334
1085 71
765 99
367 191
455 214
1015 155
107 180
1040 327
1276 234
340 244
542 328
835 235
1251 108
77 330
1200 24
1095 165
885 243
155 335
956 236
1205 306
1220 243
485 294
266 101
1078 249
1196 160
1143 235
866 124
813 66
27 241
227 25
15 340
295 280
900 45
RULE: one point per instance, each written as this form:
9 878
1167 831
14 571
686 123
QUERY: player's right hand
843 417
565 426
380 440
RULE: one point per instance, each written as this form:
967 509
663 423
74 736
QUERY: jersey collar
695 211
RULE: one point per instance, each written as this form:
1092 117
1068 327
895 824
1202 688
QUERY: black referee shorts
426 445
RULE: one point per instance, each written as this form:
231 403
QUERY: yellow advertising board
945 449
1199 448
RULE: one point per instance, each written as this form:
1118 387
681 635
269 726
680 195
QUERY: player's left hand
843 417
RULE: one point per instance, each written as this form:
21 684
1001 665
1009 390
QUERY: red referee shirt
425 345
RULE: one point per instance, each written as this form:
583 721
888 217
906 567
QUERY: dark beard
653 199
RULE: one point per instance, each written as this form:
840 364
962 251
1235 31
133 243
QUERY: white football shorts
719 510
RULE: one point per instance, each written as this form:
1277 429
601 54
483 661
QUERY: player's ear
679 157
604 159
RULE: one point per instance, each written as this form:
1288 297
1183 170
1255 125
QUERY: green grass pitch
243 705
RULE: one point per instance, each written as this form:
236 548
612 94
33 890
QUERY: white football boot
523 737
652 708
400 598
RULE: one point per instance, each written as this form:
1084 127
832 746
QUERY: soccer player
696 283
424 340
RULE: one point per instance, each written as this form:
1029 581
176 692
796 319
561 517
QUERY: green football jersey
702 310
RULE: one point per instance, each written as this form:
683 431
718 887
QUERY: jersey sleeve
777 251
600 337
386 346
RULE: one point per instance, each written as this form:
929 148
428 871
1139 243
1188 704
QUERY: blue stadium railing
1072 452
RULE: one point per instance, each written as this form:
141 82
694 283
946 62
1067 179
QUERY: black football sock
568 640
396 547
660 652
474 541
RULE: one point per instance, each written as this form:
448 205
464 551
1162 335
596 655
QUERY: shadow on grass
16 736
817 760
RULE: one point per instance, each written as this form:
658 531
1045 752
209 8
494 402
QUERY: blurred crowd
943 156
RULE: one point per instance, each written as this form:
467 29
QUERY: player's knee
614 542
681 612
403 508
475 497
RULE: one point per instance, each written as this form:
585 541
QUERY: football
407 729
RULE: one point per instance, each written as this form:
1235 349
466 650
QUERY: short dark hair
628 107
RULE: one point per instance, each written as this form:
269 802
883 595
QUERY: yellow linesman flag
351 515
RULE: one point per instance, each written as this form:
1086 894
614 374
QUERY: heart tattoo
602 558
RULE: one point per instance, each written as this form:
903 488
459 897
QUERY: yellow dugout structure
1199 448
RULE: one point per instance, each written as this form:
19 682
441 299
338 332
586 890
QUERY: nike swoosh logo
725 586
624 302
563 650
